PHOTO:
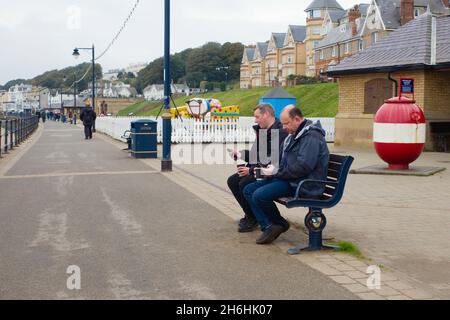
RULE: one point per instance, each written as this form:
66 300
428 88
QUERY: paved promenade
133 232
401 223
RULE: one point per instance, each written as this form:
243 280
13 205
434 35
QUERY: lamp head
76 53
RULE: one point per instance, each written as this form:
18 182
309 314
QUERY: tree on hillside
151 74
64 78
202 63
196 65
232 57
12 83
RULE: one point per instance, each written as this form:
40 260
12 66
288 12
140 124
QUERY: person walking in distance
88 117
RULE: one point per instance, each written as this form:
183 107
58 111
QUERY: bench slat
333 173
326 197
335 166
330 190
337 158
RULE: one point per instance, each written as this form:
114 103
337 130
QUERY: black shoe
248 226
244 221
270 234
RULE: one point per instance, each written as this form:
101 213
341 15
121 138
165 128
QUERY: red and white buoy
399 132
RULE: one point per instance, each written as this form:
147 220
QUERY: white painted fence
191 130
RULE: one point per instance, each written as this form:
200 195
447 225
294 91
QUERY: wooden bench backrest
338 169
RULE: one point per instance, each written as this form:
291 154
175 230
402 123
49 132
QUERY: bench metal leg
316 222
303 248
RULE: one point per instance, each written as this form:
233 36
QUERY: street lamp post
74 92
76 54
224 68
166 163
62 103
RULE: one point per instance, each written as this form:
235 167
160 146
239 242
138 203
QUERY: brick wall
354 128
437 101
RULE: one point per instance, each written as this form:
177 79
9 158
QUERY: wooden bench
315 220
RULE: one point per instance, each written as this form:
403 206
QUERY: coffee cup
258 174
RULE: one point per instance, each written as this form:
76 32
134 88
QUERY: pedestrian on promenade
269 137
305 156
88 117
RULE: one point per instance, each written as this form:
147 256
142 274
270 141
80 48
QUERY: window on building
374 37
347 48
316 30
333 52
314 14
289 58
416 12
321 54
361 45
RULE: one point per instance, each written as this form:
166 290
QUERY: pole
93 78
74 93
166 164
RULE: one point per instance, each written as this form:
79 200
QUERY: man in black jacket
88 117
269 138
305 156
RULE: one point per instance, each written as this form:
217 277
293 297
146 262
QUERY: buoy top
400 100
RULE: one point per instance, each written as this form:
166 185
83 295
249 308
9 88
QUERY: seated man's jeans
261 196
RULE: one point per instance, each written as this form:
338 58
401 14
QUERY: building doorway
376 92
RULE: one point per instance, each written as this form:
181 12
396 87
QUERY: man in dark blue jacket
305 156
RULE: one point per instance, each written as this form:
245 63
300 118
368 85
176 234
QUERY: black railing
15 130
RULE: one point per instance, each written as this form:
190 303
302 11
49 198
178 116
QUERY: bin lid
143 121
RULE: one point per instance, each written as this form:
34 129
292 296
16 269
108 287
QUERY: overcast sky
37 36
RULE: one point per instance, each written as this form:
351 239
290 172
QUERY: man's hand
269 171
243 171
235 154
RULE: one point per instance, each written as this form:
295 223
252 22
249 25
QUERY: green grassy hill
315 100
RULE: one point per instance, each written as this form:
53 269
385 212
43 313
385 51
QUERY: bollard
16 131
1 123
20 130
6 136
11 146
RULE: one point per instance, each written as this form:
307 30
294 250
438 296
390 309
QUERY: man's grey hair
266 108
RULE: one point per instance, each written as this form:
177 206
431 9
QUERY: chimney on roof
406 11
446 3
354 14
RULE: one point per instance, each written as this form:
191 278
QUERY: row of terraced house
330 35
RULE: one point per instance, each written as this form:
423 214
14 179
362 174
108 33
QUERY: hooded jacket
88 116
305 156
